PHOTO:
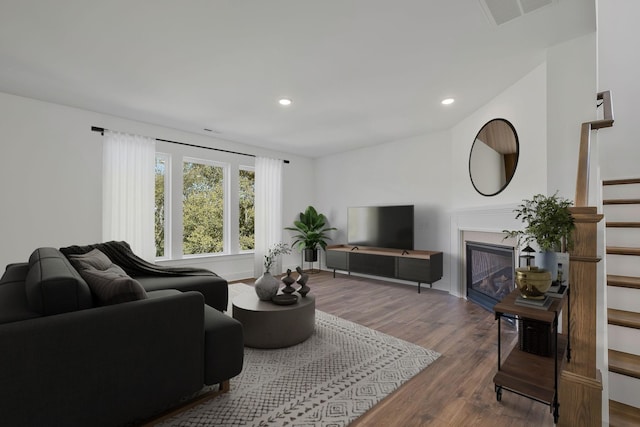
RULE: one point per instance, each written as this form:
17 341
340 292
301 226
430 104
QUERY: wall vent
500 11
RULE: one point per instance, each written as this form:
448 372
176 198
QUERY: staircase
622 215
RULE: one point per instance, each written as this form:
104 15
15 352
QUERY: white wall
618 71
51 179
50 175
524 104
410 171
571 100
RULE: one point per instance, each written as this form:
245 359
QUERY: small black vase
288 281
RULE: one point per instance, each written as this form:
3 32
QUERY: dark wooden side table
527 374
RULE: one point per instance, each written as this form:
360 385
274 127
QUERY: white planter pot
550 260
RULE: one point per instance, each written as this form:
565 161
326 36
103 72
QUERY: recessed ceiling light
284 101
447 101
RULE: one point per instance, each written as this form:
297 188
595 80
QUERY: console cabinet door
376 265
416 270
338 260
420 270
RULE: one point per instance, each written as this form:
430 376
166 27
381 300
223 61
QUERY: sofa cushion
108 282
214 288
53 286
223 343
111 286
223 346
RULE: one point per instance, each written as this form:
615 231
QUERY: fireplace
490 272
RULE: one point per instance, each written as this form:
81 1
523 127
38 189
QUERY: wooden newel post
580 389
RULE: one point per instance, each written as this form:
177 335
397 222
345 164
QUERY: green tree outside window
159 221
247 210
202 208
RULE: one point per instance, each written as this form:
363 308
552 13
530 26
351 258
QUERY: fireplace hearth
490 272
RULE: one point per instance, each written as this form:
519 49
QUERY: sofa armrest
102 366
53 286
16 271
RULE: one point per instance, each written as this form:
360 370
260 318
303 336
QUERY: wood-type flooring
455 390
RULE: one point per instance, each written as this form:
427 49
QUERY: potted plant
311 229
548 222
267 286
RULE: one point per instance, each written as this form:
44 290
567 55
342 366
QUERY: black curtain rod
101 130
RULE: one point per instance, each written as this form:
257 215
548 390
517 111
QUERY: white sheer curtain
128 187
268 211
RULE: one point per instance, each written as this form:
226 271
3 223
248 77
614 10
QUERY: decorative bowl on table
285 299
533 282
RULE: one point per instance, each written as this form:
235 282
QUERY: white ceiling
359 72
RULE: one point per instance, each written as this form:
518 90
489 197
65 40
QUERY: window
202 207
246 199
161 203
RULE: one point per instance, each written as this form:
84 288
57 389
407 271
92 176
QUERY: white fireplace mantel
471 224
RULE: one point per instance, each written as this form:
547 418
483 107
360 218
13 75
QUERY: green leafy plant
273 253
548 222
311 229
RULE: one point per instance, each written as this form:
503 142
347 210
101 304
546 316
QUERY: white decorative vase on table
267 286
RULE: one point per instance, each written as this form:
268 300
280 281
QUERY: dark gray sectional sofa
67 360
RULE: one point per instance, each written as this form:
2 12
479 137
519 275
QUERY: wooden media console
412 265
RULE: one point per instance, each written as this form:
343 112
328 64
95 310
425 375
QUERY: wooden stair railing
582 183
580 391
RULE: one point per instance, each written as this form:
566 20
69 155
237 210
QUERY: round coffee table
268 325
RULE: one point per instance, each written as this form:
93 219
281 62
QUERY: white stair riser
622 212
623 265
624 389
626 299
626 191
626 237
624 339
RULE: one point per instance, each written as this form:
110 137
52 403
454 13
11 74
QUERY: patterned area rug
331 379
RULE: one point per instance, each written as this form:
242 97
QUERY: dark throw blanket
120 253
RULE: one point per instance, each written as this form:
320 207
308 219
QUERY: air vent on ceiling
501 11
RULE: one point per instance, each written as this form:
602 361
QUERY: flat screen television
381 226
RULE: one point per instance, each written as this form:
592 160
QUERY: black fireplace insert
490 272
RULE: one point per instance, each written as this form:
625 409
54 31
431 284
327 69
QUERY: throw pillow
92 259
112 286
107 281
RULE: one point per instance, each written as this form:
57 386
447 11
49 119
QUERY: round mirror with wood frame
494 157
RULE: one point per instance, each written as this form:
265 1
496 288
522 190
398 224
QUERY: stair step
623 224
621 415
623 281
619 250
623 324
621 201
628 319
624 363
621 181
